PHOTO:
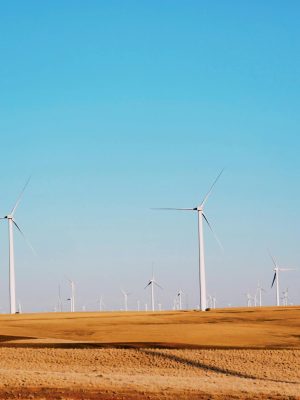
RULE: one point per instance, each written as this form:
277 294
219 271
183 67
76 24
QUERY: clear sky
115 107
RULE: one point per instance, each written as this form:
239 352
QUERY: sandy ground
151 356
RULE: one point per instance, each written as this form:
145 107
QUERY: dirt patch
149 374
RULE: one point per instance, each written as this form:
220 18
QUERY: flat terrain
222 354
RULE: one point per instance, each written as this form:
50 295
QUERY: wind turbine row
152 282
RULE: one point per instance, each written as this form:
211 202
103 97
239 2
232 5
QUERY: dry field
222 354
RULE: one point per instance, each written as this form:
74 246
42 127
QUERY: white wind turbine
278 269
100 303
72 298
60 303
200 211
285 299
11 223
151 283
260 290
214 300
179 295
125 294
249 299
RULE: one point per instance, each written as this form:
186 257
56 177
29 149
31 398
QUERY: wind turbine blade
20 197
213 232
211 188
273 280
273 259
176 209
148 284
157 285
26 240
288 269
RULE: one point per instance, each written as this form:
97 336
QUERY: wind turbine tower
214 300
179 295
260 290
100 303
249 299
60 304
125 294
11 223
286 297
200 212
72 298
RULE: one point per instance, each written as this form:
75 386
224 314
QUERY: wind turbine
179 295
209 302
72 298
285 299
278 269
11 223
60 304
249 299
125 294
214 300
260 290
200 211
100 303
151 283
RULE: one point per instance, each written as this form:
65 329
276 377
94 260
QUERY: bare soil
225 354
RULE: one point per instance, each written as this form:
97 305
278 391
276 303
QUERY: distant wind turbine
151 283
179 296
60 304
214 300
199 209
11 223
125 294
100 303
285 299
278 269
72 298
249 299
259 290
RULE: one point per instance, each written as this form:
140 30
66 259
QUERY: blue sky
116 107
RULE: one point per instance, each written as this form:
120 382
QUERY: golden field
243 353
